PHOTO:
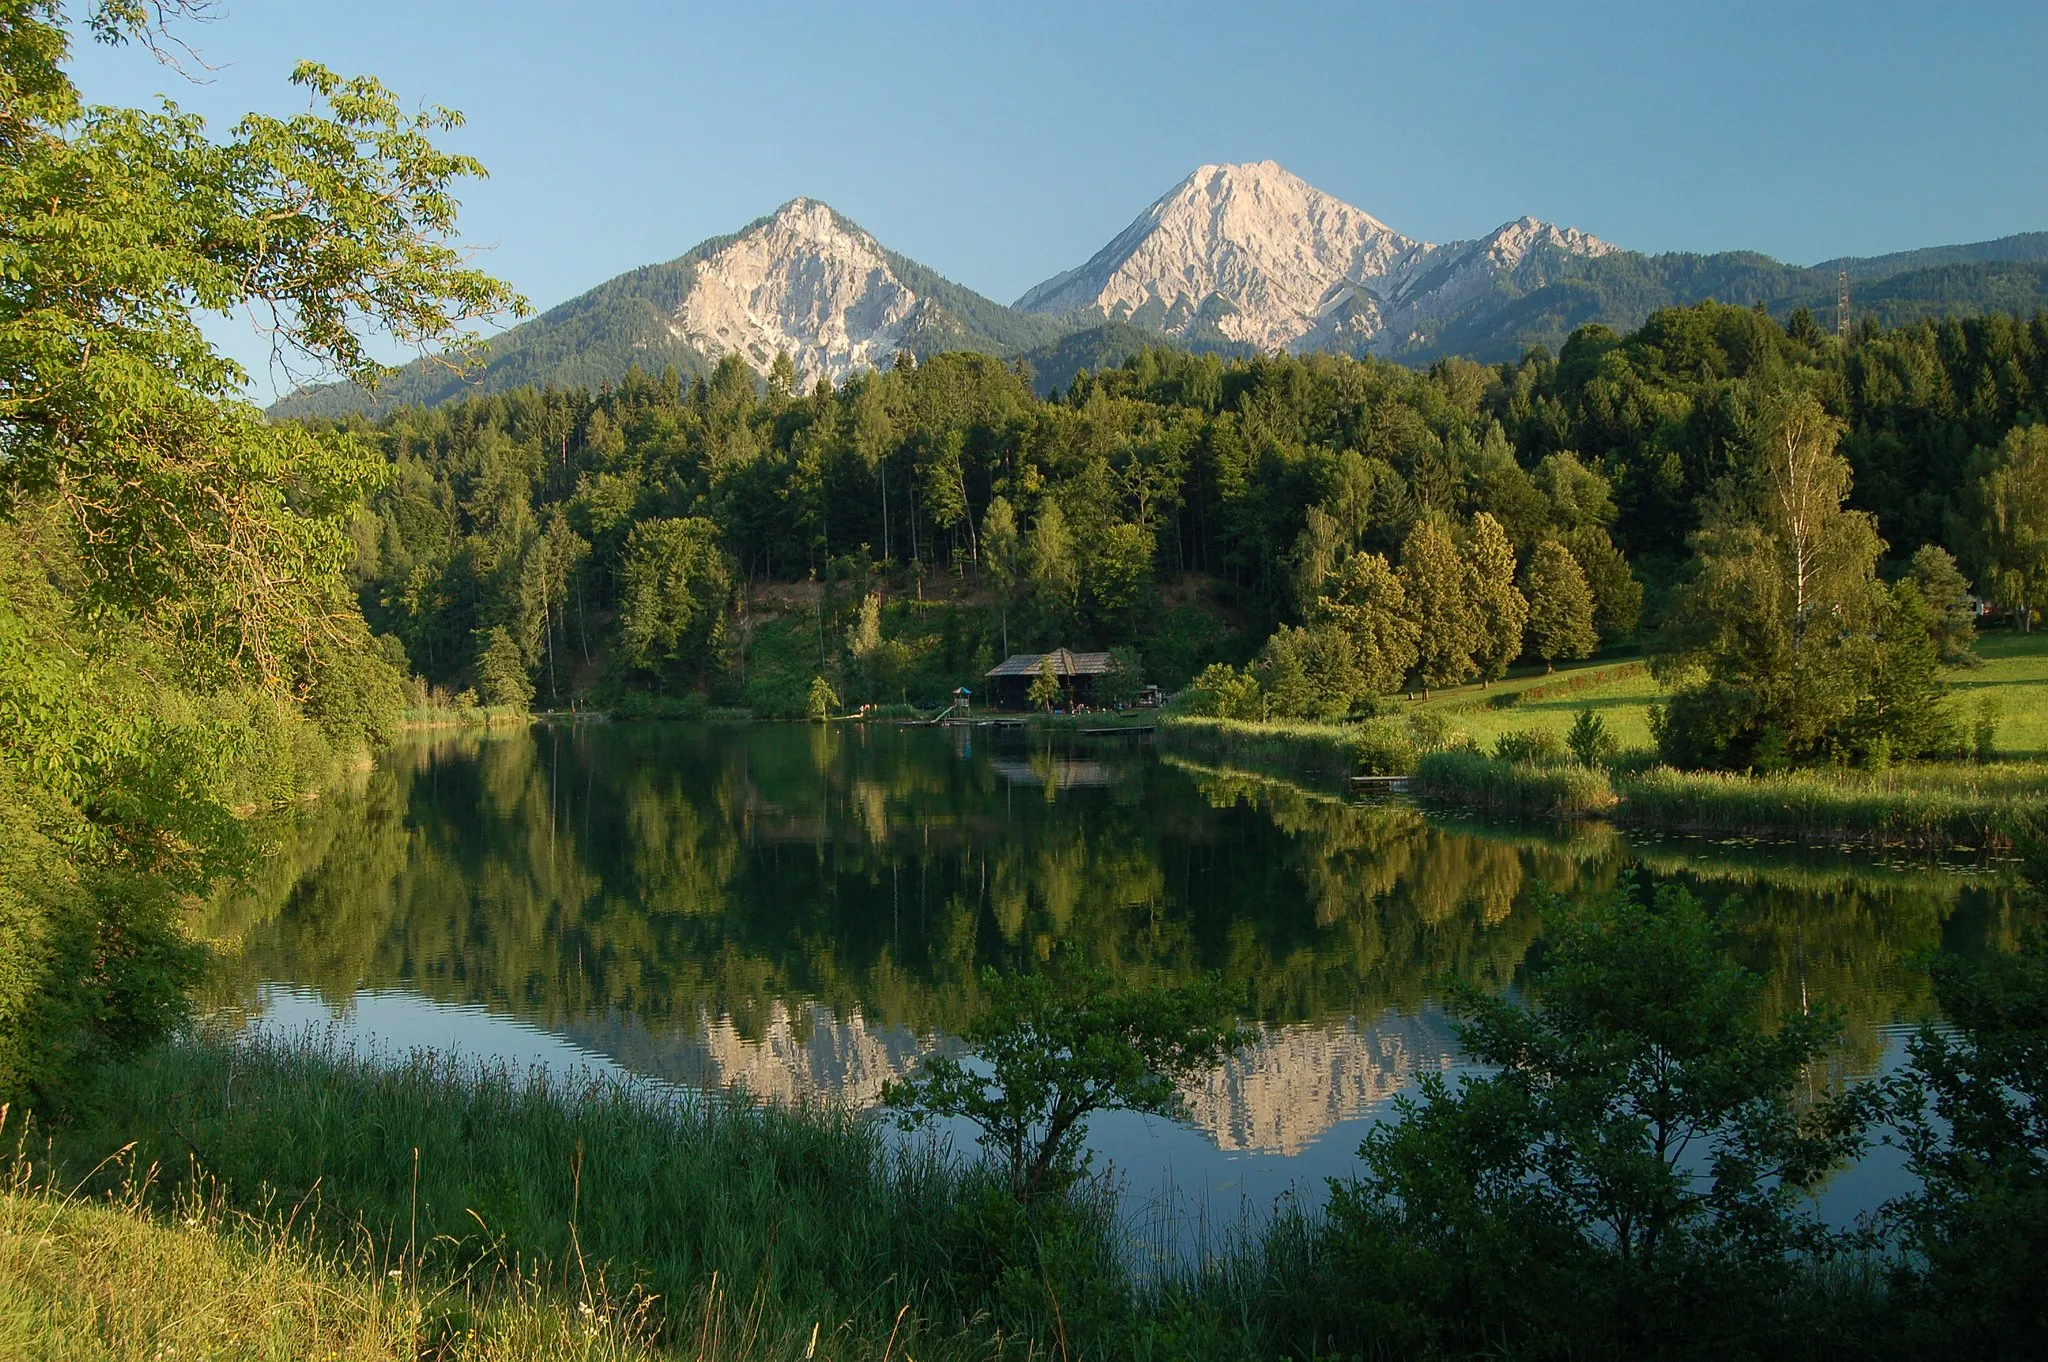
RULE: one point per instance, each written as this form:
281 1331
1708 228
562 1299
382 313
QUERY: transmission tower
1842 305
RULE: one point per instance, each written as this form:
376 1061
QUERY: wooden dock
1380 784
1117 731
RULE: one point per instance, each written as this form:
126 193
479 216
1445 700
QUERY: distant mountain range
1235 258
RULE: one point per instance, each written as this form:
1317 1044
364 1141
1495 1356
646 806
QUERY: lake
804 911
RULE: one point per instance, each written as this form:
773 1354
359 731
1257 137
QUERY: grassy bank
1922 805
1514 787
513 1203
2013 678
1373 747
463 716
1929 805
123 1280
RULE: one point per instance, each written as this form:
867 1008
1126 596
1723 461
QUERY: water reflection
804 911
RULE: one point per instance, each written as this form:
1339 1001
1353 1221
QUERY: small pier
1380 784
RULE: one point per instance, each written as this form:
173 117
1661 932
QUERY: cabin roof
1064 663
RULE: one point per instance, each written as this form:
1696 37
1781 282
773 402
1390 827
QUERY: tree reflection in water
699 901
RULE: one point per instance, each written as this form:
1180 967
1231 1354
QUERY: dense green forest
899 533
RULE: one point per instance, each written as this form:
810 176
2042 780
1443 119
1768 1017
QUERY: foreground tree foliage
1625 1181
1052 1051
176 606
1971 1114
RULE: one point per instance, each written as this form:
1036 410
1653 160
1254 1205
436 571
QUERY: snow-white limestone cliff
1257 255
1291 1085
804 280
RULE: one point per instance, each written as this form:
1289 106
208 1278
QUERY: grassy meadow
1621 693
285 1200
1447 744
2014 678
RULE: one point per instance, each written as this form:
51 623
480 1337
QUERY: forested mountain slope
639 539
1236 259
803 281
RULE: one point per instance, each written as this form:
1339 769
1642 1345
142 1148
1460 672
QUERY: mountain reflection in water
805 911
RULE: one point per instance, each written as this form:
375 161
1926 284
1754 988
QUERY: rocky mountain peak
1253 253
1247 251
805 280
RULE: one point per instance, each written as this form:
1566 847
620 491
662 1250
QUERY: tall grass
722 1217
115 1280
1372 747
1929 805
1922 805
1516 787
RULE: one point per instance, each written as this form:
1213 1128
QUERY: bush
1432 729
1624 1177
1535 746
1383 747
1221 692
1589 739
1971 1113
1984 729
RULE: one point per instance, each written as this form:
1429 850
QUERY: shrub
1431 728
1534 746
1589 739
1383 747
1053 1051
1625 1177
1221 692
1984 730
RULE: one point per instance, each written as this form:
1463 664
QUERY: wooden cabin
1009 683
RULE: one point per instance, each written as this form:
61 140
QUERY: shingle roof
1064 663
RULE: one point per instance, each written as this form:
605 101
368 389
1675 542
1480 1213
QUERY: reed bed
1514 787
1924 806
723 1218
1370 747
1921 805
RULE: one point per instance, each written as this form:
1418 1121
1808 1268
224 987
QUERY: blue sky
1002 144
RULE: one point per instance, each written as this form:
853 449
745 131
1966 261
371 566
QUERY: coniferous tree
1002 559
1946 591
2012 505
675 593
1051 569
501 676
1617 595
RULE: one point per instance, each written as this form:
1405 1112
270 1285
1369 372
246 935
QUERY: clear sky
1000 144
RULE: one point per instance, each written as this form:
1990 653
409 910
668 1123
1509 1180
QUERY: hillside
1233 260
803 280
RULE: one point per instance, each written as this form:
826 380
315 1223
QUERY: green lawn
1619 692
2015 674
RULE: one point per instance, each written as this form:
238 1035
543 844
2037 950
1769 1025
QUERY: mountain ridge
1235 258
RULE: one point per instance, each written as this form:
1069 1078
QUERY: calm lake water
804 912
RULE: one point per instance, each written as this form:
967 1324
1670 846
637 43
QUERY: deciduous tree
1560 605
1447 627
1499 609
